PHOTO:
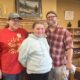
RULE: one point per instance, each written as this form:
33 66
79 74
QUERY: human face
52 20
13 24
39 30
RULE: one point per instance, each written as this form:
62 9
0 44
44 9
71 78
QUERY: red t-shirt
9 44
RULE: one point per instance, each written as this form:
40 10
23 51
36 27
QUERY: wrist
68 66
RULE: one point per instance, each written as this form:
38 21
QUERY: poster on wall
69 15
28 8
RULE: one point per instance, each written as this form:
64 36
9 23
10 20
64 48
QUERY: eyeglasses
51 16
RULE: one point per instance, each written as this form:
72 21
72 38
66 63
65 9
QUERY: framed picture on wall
69 15
28 8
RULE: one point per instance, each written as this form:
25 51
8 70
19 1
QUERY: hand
65 72
0 74
73 69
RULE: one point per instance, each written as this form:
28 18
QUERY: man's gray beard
54 24
51 23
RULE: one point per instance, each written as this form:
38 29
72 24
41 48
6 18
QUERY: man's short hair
51 12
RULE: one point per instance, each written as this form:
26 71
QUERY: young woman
34 54
10 39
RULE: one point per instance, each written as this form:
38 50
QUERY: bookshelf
75 33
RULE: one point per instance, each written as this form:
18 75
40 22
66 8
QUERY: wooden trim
78 69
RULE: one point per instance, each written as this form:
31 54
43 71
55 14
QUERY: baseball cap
14 16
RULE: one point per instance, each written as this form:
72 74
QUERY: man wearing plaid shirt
61 48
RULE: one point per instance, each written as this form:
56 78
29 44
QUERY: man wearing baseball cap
10 40
14 16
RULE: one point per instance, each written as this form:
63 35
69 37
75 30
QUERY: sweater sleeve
23 52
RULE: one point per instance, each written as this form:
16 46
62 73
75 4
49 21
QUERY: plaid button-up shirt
60 41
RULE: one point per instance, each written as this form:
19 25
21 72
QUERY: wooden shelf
25 23
76 41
